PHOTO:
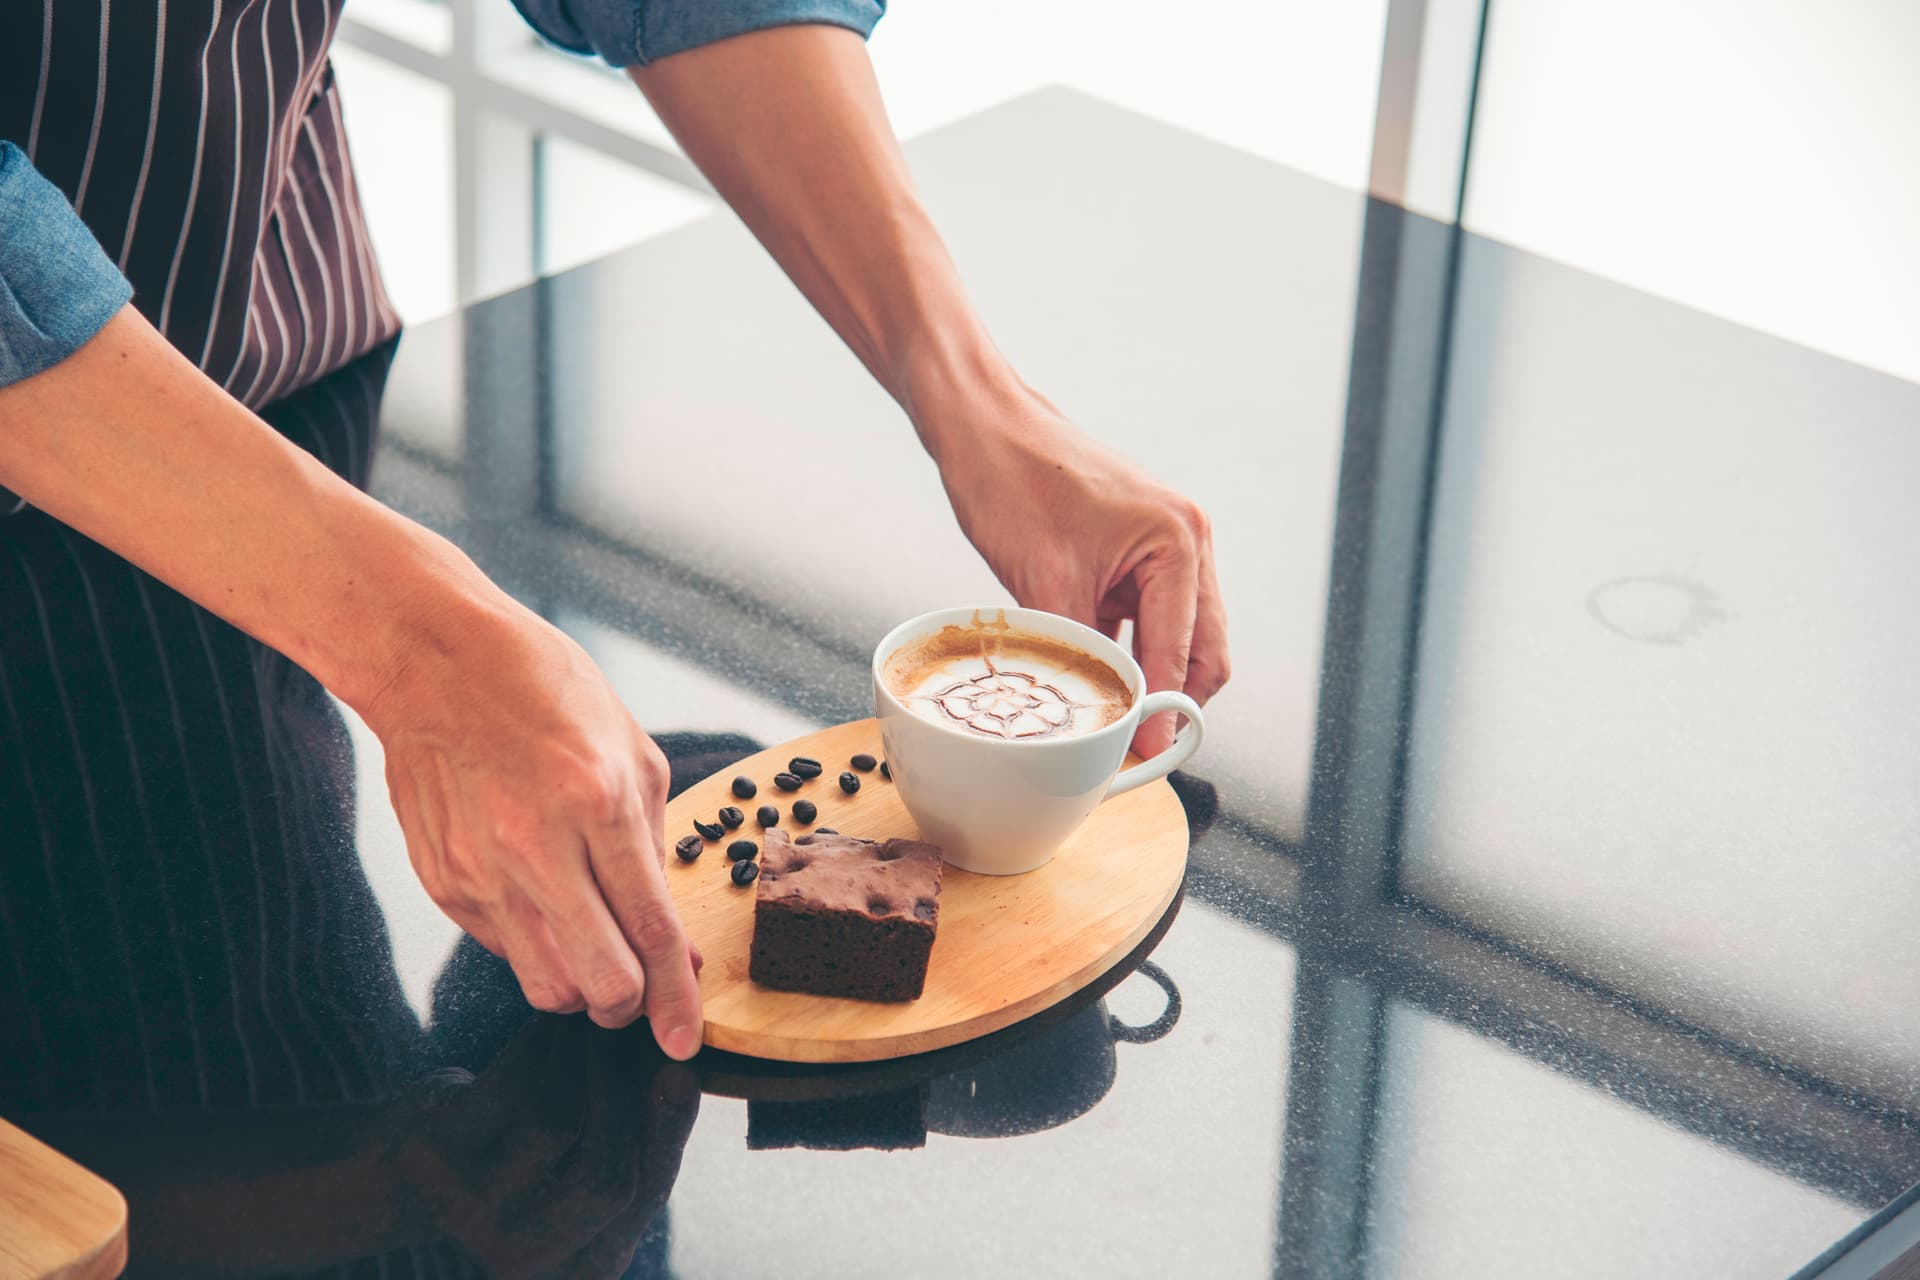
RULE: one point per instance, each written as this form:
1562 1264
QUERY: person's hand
1072 528
532 807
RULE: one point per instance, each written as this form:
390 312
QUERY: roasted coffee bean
744 872
863 762
805 811
731 817
742 849
787 781
767 815
825 831
711 830
743 787
886 771
849 782
689 848
804 766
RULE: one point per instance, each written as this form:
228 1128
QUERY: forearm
789 126
128 443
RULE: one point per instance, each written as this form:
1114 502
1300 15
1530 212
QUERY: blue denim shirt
58 288
632 32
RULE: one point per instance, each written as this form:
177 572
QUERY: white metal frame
509 92
1423 126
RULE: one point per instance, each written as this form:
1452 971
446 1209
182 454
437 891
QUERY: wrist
408 609
963 397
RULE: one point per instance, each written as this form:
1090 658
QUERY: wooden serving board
56 1219
1007 946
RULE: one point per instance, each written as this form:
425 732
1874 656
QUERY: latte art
1011 685
1009 704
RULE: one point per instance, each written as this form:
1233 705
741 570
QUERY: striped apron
201 141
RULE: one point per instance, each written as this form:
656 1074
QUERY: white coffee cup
1003 806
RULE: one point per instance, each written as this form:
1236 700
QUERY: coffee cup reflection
1049 1080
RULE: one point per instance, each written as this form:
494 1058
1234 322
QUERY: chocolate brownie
840 916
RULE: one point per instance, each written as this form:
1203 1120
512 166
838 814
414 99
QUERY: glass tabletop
1552 847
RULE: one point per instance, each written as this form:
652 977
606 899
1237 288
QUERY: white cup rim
1097 645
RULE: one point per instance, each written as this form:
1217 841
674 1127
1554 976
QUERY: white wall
1757 160
1291 80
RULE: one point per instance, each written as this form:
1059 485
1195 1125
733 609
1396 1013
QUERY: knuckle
457 901
514 830
613 993
597 789
462 876
549 995
655 772
654 929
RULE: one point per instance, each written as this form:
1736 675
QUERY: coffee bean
689 848
742 849
805 811
825 831
743 787
863 762
767 815
849 782
787 781
744 872
886 771
804 766
711 830
731 817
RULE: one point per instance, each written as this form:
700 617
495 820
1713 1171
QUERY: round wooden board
1007 947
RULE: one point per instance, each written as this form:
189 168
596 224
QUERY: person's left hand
1070 527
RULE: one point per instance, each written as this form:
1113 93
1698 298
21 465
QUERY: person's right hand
530 800
532 806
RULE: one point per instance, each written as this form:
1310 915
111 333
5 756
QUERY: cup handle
1160 1025
1174 756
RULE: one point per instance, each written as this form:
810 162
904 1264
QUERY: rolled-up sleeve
633 32
57 286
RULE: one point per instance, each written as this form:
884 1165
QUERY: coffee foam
998 681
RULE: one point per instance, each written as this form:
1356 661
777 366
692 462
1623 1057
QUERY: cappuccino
994 680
